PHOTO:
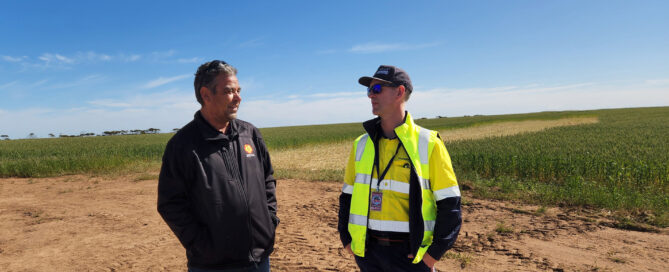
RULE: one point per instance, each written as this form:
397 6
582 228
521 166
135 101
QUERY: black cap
389 74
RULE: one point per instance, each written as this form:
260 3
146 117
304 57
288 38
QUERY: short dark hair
207 73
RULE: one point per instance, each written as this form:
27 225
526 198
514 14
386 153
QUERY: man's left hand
427 259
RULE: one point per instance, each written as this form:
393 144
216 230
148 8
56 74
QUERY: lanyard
376 164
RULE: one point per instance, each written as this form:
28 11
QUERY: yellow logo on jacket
248 148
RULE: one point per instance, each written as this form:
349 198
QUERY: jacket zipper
238 180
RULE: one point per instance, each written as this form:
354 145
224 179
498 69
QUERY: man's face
382 102
225 102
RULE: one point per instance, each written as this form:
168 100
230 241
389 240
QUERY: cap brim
365 81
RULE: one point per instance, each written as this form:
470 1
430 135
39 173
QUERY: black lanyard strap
376 164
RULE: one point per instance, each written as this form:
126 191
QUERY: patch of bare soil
82 223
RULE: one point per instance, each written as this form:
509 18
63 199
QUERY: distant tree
31 135
153 130
175 129
51 135
4 137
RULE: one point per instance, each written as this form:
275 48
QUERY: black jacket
217 194
447 225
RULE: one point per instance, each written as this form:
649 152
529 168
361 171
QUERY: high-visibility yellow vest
418 143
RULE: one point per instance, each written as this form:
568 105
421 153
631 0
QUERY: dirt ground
84 223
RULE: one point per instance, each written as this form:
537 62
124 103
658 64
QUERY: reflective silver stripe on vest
452 191
387 225
424 183
357 220
361 147
429 225
362 178
392 185
423 144
348 189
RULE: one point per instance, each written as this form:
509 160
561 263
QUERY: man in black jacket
216 190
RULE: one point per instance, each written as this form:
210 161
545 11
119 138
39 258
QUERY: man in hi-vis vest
400 205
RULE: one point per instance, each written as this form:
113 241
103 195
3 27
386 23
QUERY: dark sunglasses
376 88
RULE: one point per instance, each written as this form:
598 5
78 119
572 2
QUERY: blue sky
90 66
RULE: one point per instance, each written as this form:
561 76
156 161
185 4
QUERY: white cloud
335 95
91 56
129 58
375 47
81 57
174 108
111 103
458 102
164 110
87 80
171 98
55 58
159 55
164 80
7 85
662 81
13 59
96 120
271 113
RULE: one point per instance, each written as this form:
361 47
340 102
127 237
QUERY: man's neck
390 122
220 126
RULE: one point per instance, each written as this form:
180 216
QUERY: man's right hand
348 248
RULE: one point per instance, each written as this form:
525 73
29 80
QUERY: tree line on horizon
91 134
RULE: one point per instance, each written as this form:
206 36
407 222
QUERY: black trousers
387 258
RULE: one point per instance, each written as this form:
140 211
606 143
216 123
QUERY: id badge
377 200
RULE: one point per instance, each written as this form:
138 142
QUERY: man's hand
348 248
427 259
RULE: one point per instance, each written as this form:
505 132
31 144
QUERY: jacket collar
209 133
373 126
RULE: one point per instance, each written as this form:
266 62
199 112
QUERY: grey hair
206 76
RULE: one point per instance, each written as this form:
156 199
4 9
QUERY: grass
619 163
464 259
65 156
502 228
510 128
612 159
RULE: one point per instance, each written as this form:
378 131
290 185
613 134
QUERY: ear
400 91
205 93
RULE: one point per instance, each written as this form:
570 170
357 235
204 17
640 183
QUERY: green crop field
619 163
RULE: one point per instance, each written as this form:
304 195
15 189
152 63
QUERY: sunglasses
376 88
